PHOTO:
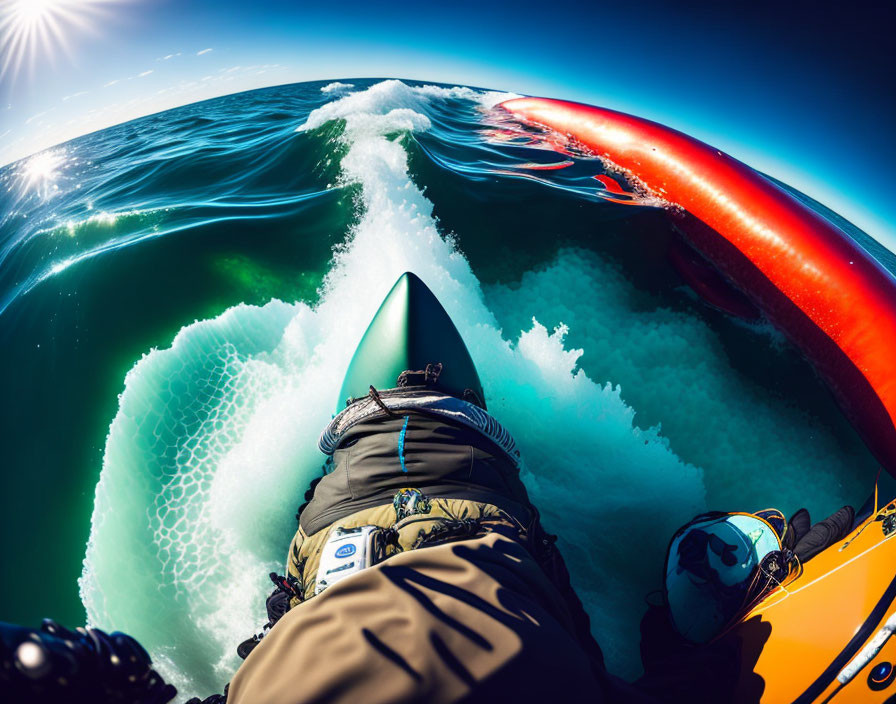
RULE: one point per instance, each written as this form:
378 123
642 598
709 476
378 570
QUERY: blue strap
401 436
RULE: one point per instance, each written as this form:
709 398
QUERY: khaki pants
475 620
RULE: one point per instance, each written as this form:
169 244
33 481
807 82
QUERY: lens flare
36 29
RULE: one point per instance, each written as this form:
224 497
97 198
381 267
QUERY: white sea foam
337 88
674 369
392 95
214 439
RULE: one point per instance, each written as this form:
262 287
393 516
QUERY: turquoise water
181 294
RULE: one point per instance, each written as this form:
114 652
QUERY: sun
34 29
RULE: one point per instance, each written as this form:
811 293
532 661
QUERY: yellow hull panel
798 639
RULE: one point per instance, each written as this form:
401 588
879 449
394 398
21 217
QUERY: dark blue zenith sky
805 91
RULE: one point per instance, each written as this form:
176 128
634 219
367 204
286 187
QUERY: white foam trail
214 440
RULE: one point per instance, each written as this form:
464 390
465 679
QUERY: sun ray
34 29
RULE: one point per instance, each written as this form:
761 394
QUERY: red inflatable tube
812 281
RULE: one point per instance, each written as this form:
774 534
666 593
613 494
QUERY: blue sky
804 91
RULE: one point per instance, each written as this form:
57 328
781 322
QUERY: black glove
54 664
807 542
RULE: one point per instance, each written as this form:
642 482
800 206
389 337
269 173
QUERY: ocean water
180 296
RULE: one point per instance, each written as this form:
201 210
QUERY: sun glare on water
43 167
41 172
34 29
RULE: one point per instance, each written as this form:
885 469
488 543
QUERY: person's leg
476 620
